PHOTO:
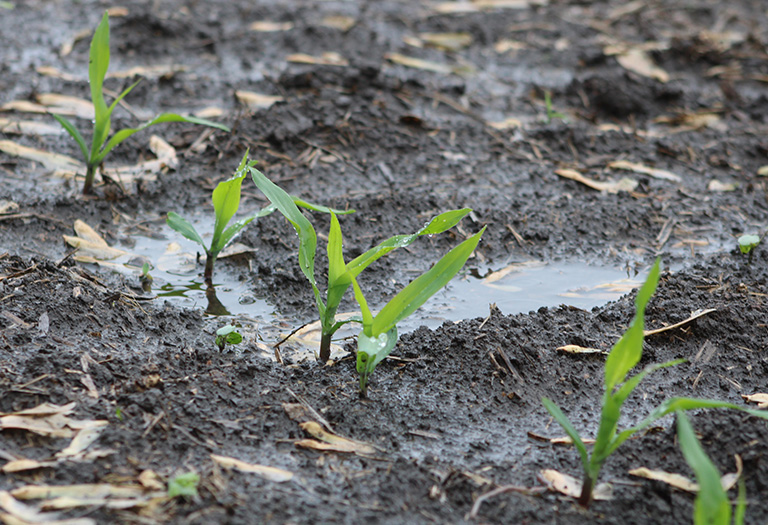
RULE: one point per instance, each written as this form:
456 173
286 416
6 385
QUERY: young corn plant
340 275
379 334
101 143
226 201
712 506
625 354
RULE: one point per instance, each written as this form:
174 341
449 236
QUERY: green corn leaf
75 133
226 201
741 504
181 225
336 265
318 207
364 310
627 388
425 286
231 232
712 506
98 63
123 134
438 224
444 221
307 235
371 351
184 485
627 352
564 422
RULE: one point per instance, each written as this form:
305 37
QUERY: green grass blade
564 422
123 134
711 506
286 206
425 286
627 352
181 225
438 224
75 133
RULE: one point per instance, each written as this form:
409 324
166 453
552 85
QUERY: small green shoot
119 413
624 355
340 275
184 485
145 279
379 334
226 201
747 245
228 335
712 506
101 143
551 113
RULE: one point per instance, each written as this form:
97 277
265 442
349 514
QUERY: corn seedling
184 485
340 275
145 278
226 201
712 506
747 245
379 334
228 335
551 113
624 355
101 143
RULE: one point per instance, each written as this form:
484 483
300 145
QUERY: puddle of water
517 288
524 287
177 276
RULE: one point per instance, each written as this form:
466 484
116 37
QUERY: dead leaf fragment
610 186
28 127
447 41
269 473
66 105
570 486
48 420
90 244
695 315
50 161
268 26
728 481
761 399
475 6
638 61
647 170
330 441
329 58
576 349
340 22
257 100
762 171
508 123
426 65
719 186
506 45
675 480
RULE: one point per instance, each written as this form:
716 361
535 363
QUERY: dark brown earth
449 418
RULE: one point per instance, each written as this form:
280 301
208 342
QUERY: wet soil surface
456 412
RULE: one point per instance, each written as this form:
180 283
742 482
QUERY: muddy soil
677 89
